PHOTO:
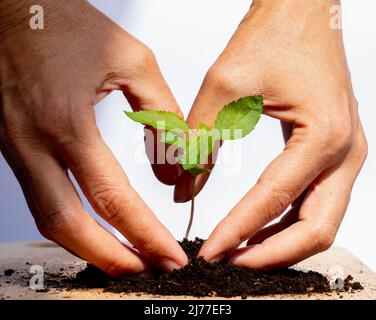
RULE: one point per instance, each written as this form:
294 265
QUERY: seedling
236 120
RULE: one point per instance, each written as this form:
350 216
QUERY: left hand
50 81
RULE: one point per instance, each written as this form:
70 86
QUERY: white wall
186 37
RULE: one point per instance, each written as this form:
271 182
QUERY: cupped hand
287 52
51 80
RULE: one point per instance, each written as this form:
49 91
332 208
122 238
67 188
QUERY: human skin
287 52
51 80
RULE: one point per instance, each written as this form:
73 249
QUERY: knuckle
221 78
55 223
277 199
144 58
362 148
241 230
341 137
43 230
336 135
108 202
146 244
324 236
116 267
12 134
113 268
281 199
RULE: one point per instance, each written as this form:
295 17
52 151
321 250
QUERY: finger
163 168
311 234
148 90
17 171
108 190
280 184
291 216
287 220
61 218
319 218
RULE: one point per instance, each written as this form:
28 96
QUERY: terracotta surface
333 263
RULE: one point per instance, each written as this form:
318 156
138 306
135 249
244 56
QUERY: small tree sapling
235 120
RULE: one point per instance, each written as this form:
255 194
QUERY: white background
186 37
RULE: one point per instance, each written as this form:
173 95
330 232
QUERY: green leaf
206 142
203 126
172 137
234 121
239 118
159 119
197 149
191 154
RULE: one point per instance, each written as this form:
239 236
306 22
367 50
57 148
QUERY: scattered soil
200 278
8 272
352 286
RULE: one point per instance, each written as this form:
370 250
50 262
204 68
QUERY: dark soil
9 272
200 278
349 285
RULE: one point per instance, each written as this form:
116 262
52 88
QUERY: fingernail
218 258
168 265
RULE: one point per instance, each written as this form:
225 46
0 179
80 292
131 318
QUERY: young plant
236 120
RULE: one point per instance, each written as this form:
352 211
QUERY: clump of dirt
349 285
8 272
201 279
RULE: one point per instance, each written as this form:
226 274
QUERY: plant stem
192 209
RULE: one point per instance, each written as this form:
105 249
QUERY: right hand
299 66
50 81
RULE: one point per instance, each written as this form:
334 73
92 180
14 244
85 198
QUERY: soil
201 279
9 272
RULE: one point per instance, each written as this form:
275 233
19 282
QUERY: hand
50 81
287 52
